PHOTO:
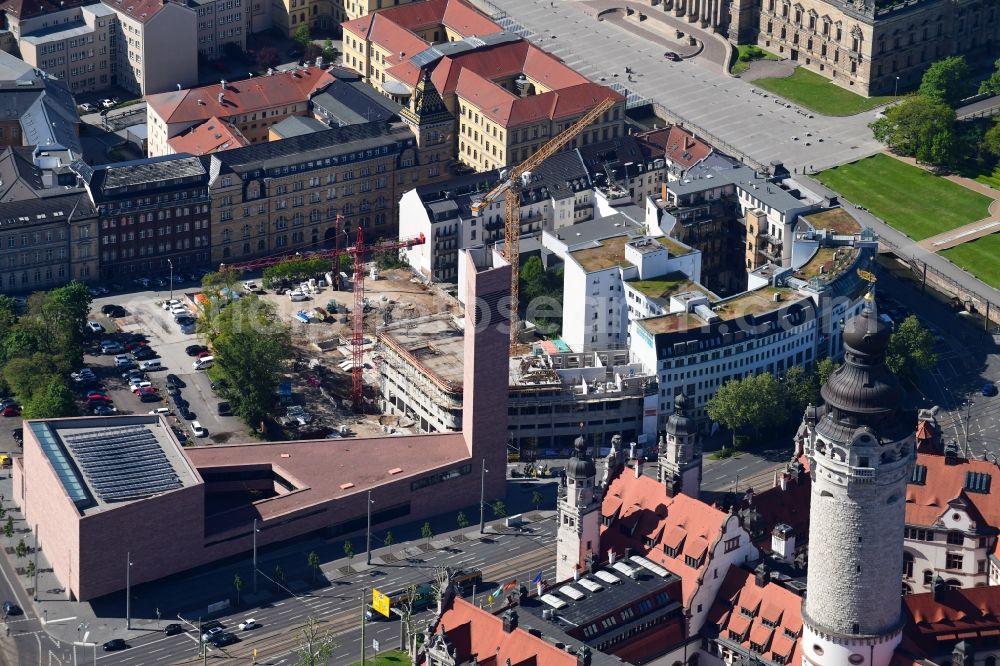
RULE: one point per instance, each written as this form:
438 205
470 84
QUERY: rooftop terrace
662 288
754 302
671 323
828 262
837 220
607 254
675 248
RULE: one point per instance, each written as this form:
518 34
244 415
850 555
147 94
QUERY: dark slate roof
329 143
297 126
122 179
350 101
561 175
622 155
21 179
29 212
454 197
28 8
45 110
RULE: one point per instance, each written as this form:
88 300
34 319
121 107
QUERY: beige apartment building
156 45
222 22
74 45
507 96
348 10
285 196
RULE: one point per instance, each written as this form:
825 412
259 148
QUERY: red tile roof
967 613
240 97
30 8
739 590
211 136
678 145
925 503
644 503
141 10
474 631
394 28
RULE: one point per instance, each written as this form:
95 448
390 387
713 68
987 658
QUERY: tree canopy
297 269
920 127
911 349
755 401
946 80
53 400
991 86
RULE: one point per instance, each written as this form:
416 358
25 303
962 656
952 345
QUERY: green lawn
391 658
740 65
916 202
818 94
979 257
990 179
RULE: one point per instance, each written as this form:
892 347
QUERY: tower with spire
861 452
578 536
680 452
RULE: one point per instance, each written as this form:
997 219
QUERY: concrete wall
170 50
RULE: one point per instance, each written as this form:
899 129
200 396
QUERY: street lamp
171 264
368 534
128 590
896 91
255 530
482 498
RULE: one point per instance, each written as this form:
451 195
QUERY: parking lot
145 315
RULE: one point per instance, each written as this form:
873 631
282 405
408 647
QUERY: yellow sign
380 602
866 276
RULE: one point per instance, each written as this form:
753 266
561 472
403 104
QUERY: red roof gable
644 503
240 97
210 136
141 10
393 28
926 502
474 631
740 590
935 625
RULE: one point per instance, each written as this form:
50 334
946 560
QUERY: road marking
85 635
62 619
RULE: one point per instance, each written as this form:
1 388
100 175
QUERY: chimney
223 82
783 542
939 589
509 620
638 467
761 575
783 481
611 557
222 97
583 656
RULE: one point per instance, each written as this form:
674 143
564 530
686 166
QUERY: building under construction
554 395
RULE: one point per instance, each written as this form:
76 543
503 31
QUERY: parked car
11 410
188 414
109 308
110 347
10 608
173 629
194 350
99 394
115 644
224 639
103 410
248 624
198 429
989 389
18 435
122 361
173 302
143 282
95 327
106 103
160 410
87 107
176 381
143 353
160 282
671 56
203 362
117 311
212 632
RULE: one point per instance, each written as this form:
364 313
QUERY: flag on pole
512 585
537 579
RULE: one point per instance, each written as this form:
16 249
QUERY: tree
824 369
8 527
302 35
801 389
532 278
499 509
991 86
52 401
463 522
268 57
348 552
946 80
317 646
755 401
330 54
389 539
919 127
279 575
251 345
537 499
313 561
426 532
238 586
911 349
991 140
21 549
29 570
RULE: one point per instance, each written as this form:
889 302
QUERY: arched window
907 564
953 584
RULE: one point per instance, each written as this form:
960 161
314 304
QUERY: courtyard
820 95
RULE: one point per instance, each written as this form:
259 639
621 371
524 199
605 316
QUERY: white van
160 410
151 364
198 429
203 363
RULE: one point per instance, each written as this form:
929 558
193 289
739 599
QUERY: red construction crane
358 316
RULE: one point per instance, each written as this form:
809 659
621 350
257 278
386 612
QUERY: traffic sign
380 602
375 644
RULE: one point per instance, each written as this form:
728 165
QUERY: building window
953 561
732 544
956 538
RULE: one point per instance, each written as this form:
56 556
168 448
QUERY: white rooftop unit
607 577
590 585
571 592
650 566
553 601
626 569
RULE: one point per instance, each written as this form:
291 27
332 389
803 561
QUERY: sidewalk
71 622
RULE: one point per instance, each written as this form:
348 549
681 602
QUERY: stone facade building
860 455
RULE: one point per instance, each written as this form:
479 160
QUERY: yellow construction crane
512 181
